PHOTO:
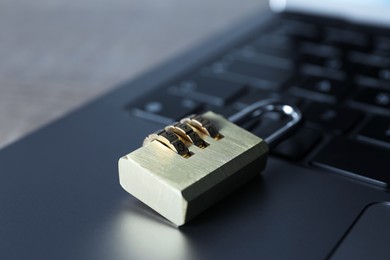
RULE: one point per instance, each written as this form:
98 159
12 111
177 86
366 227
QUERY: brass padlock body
178 187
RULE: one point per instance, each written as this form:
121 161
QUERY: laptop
324 193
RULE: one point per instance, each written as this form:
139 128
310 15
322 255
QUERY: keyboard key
322 89
208 90
163 108
330 118
250 54
319 49
226 111
219 70
297 29
265 74
377 97
299 144
268 124
377 129
360 160
257 95
275 41
332 63
368 59
272 51
380 73
319 71
382 45
346 37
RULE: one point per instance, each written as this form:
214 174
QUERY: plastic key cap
164 108
359 160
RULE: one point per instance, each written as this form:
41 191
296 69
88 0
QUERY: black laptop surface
324 193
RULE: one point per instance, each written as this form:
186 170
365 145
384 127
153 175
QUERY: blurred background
55 55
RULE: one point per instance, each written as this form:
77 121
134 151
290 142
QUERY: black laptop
324 193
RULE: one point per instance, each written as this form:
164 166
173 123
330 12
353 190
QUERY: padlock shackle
258 109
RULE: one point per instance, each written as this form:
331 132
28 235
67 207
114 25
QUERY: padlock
185 168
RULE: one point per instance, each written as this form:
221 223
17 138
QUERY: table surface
56 55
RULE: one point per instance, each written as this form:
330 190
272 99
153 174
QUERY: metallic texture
258 109
180 188
203 125
169 139
187 132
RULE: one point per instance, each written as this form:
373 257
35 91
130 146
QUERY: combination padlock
186 167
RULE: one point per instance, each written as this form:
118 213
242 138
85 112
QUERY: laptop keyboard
338 77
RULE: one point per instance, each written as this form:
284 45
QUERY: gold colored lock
184 169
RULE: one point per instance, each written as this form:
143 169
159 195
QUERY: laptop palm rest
368 237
